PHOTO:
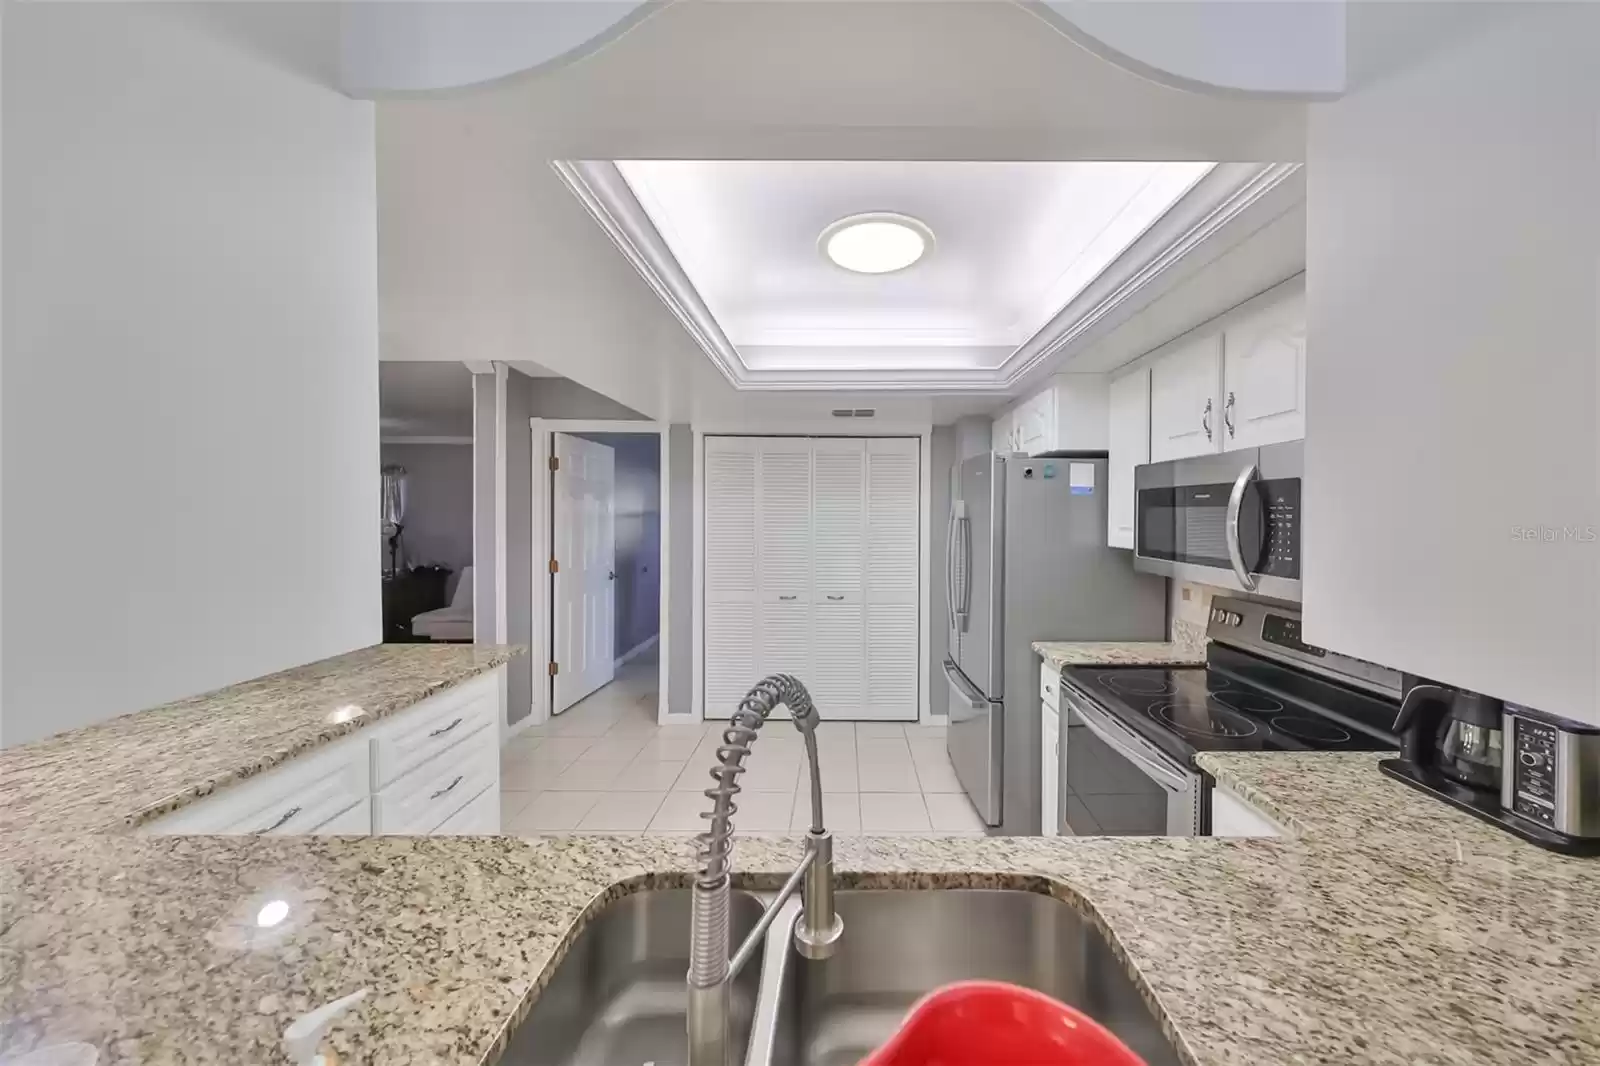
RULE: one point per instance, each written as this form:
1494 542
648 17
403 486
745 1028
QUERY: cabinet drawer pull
835 597
442 730
448 788
788 597
281 822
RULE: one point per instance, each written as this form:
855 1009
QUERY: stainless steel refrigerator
1026 560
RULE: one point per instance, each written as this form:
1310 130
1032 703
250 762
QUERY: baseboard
637 650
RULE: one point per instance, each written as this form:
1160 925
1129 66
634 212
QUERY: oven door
1231 520
1115 783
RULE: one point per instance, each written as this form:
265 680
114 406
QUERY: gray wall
637 551
943 456
974 435
438 522
680 608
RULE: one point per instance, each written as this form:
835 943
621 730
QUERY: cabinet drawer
426 797
356 822
1050 686
295 798
480 817
432 727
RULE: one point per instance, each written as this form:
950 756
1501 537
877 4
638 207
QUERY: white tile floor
606 766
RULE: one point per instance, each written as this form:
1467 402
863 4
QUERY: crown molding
1226 194
602 190
1231 195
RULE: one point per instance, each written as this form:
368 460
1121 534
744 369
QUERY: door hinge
555 567
555 668
555 462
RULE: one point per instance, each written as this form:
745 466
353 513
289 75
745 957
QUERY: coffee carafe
1453 731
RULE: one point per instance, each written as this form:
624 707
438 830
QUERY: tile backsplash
1190 610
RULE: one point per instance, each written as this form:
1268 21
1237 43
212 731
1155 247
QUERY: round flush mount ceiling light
879 242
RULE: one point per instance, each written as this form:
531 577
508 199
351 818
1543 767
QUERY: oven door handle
1235 547
1165 777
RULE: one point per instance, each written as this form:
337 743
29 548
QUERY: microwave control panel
1280 503
1533 775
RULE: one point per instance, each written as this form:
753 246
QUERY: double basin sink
620 998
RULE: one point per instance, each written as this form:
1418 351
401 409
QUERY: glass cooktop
1238 703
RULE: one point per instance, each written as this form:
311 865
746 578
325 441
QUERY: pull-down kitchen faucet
816 931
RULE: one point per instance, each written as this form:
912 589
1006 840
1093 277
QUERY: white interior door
892 585
784 501
584 591
730 630
838 614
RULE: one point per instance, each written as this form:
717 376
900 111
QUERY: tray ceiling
1023 254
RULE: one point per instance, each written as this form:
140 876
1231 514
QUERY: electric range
1131 733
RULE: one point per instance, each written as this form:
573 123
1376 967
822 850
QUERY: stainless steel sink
619 998
900 945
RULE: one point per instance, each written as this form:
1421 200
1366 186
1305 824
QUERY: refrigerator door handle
961 555
961 686
950 565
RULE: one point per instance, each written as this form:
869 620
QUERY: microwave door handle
1235 547
1163 776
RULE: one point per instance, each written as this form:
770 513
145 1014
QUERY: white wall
1452 389
190 323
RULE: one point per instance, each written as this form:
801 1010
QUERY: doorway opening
600 586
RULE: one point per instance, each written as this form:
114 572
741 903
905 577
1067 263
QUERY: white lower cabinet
1050 770
411 773
355 822
428 796
480 817
1234 817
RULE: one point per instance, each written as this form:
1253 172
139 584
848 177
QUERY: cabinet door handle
448 788
442 730
281 822
835 597
1227 414
1205 419
788 598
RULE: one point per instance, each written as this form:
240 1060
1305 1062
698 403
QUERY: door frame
923 431
542 639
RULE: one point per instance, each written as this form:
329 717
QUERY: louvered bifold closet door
731 608
838 615
783 556
894 491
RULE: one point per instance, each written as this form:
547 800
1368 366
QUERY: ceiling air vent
859 412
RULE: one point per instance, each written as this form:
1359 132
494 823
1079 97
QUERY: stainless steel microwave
1231 520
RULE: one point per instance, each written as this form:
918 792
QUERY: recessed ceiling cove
963 273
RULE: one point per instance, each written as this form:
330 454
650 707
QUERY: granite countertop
132 768
1392 931
1061 653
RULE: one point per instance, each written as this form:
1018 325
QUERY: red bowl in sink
991 1023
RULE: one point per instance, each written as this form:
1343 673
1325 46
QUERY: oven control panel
1285 632
1533 774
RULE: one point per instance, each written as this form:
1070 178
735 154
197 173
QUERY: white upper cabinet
1067 414
1185 406
1264 375
1129 404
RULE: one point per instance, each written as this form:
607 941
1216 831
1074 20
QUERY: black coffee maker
1452 732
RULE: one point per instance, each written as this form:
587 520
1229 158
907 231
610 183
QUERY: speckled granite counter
1395 932
1119 653
131 768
